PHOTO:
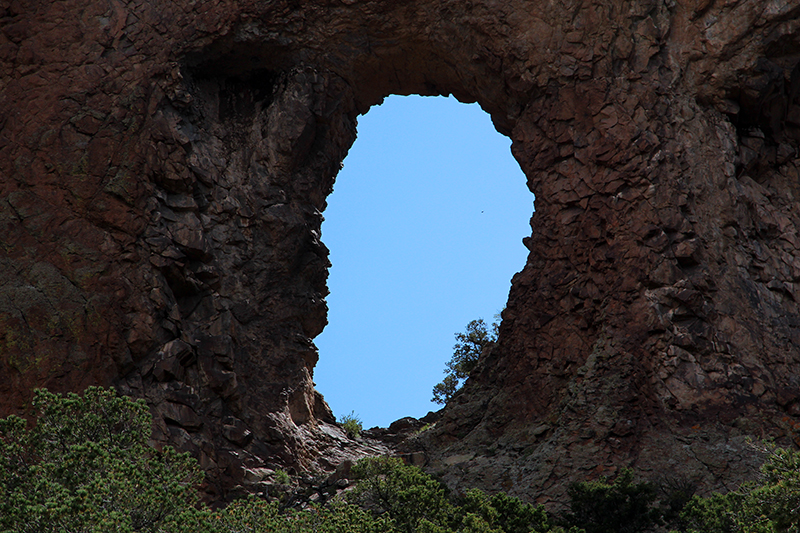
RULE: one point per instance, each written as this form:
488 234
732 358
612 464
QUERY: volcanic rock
165 165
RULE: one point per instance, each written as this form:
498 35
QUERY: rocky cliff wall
164 173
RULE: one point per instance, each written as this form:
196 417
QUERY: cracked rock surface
164 168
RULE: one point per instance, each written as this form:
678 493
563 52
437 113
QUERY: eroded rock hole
424 227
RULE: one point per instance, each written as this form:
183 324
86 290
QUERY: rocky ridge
164 173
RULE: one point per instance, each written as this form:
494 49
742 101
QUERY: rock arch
165 170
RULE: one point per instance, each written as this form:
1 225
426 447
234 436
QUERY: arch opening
425 231
262 139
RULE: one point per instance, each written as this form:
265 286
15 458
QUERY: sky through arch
425 229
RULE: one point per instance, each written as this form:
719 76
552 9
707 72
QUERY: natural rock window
425 229
164 167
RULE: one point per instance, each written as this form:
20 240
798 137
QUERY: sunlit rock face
165 166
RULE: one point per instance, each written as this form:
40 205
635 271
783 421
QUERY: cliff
165 167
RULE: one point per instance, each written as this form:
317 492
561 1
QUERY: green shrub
716 514
618 507
352 425
425 428
413 499
86 466
253 515
778 498
769 506
416 502
282 477
502 512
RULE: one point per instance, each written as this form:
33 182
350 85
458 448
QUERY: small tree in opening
468 348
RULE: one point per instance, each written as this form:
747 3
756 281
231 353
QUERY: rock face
165 166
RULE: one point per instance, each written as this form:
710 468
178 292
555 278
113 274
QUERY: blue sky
425 229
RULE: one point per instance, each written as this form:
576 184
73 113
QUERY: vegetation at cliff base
621 506
416 502
770 505
85 467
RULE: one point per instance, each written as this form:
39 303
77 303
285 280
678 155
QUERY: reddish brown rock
165 165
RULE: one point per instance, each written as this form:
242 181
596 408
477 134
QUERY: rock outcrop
165 167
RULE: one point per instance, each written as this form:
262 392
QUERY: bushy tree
769 506
502 512
618 507
718 513
86 467
418 503
468 348
412 498
778 498
253 515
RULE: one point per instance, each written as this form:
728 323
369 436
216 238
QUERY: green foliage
425 428
352 425
502 512
86 467
446 389
416 502
466 352
618 507
770 506
253 515
778 499
716 514
282 477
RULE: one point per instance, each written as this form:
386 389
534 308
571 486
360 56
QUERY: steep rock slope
165 168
